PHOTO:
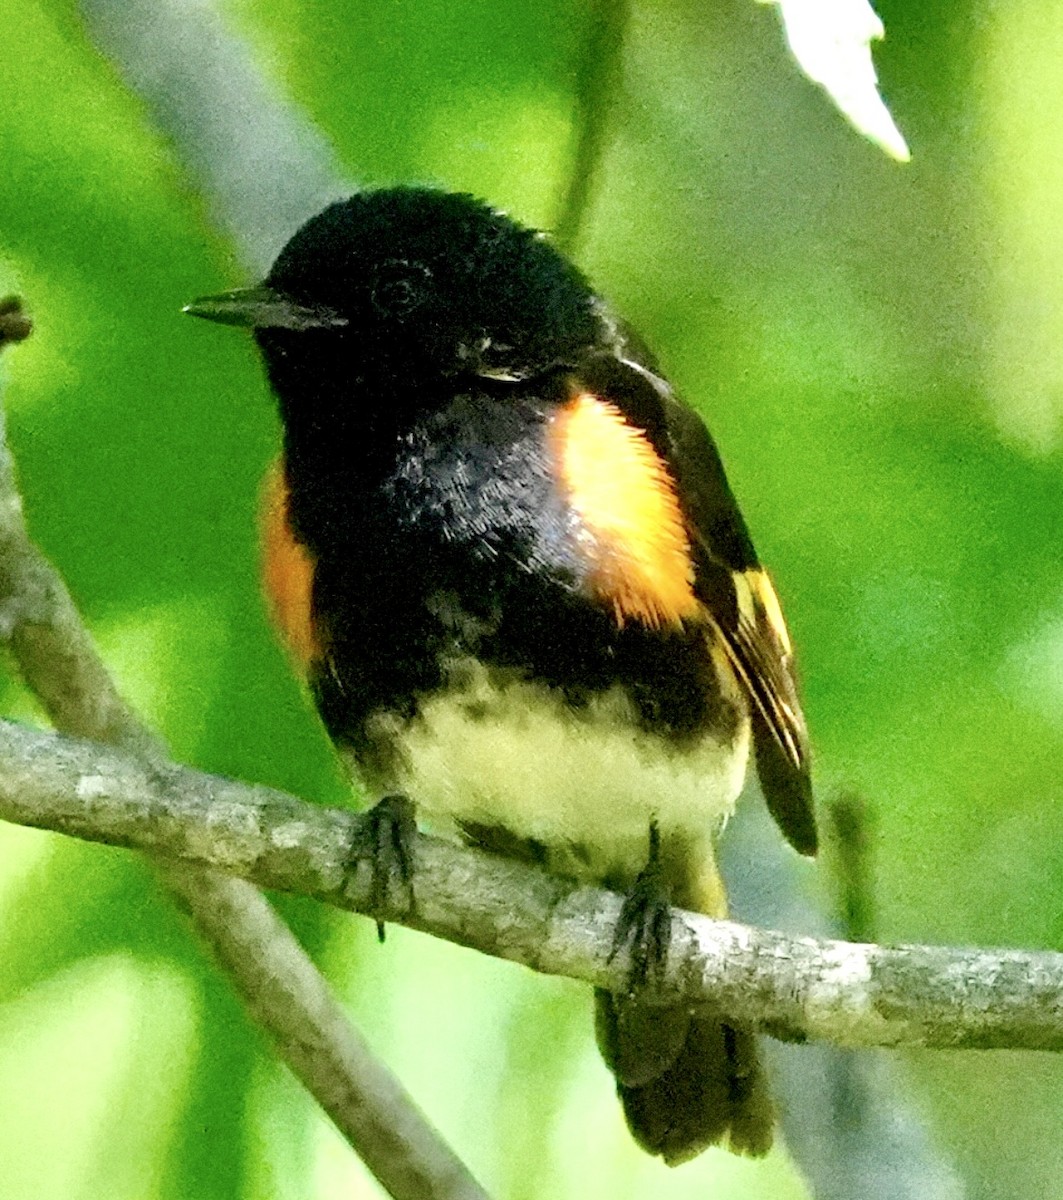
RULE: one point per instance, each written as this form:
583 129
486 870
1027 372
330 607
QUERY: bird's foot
385 842
645 922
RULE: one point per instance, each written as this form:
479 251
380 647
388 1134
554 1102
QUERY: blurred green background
880 352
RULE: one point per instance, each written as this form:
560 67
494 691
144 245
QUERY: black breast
461 545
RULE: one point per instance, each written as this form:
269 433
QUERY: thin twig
850 821
277 982
599 74
850 994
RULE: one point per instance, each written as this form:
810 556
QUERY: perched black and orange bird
509 561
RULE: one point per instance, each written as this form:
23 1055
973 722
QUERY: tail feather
638 1043
686 1082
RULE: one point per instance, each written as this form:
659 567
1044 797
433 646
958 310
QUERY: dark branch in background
797 988
277 982
599 76
850 821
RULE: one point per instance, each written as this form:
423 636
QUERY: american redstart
509 562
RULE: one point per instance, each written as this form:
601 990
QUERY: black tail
686 1082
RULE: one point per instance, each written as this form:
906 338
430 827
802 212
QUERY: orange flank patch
287 570
632 528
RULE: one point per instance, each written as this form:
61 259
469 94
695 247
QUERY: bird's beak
263 308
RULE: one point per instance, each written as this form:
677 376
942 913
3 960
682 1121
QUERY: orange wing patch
633 530
287 570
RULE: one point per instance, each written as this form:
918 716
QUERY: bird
508 563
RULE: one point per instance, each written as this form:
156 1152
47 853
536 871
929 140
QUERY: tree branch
850 994
277 982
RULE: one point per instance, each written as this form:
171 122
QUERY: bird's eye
399 287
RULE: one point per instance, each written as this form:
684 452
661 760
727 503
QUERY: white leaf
831 40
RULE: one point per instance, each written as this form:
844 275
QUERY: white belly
585 783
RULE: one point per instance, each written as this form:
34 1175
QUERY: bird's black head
401 291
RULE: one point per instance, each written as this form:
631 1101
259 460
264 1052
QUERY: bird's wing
736 592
